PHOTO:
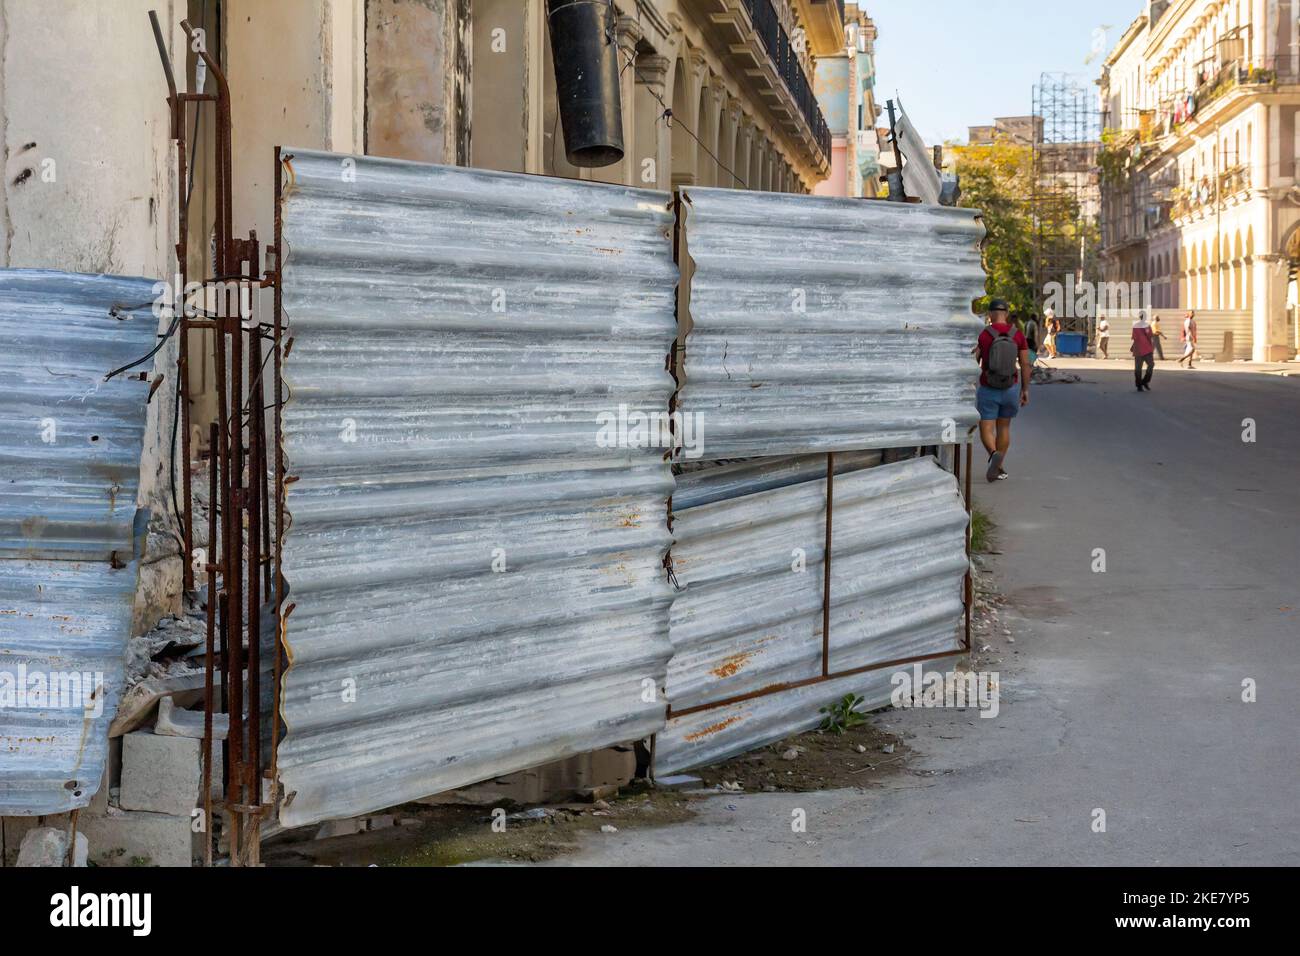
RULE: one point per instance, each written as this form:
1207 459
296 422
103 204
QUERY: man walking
1103 337
1143 349
1188 336
1032 335
1157 336
1004 384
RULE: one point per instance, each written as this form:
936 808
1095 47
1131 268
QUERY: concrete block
175 721
46 846
161 774
337 828
134 838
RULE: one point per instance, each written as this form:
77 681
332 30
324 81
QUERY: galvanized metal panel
920 179
823 324
457 335
70 447
748 619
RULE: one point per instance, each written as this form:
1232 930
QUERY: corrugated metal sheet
747 620
470 327
920 179
70 446
823 324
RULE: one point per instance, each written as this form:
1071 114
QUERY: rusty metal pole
970 583
255 493
178 107
214 464
280 615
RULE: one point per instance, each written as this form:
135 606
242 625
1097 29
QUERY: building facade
845 85
1200 192
715 92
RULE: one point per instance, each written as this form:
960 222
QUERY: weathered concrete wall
504 53
409 91
85 135
296 70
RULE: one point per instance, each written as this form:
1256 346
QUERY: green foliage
998 181
842 714
1115 156
981 531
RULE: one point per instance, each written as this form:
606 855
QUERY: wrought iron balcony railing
768 26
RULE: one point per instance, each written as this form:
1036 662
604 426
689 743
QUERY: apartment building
1199 165
845 84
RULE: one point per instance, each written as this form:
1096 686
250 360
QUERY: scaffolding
1065 201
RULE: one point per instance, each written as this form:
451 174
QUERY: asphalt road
1122 690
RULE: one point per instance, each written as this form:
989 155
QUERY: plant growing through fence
843 714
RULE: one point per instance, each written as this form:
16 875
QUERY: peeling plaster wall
410 103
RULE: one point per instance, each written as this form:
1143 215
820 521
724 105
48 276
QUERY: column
651 163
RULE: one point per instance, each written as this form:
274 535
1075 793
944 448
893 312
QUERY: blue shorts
995 403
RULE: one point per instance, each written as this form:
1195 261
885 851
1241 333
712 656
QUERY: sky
960 63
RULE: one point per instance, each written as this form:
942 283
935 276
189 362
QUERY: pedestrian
1156 336
1103 337
1049 341
1188 338
1143 349
1032 335
1004 384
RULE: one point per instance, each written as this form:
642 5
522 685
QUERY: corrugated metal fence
476 566
822 324
70 448
750 618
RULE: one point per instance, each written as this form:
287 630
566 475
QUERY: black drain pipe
585 53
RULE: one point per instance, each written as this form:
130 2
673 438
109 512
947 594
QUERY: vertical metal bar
183 356
826 565
179 111
213 467
70 857
278 303
970 583
256 476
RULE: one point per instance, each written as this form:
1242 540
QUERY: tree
998 180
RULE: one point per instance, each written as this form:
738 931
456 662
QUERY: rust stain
713 729
34 526
730 666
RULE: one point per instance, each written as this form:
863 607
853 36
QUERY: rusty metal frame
967 596
237 583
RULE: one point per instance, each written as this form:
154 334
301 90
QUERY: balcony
1233 181
1217 81
750 32
823 22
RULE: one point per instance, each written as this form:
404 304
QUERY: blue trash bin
1071 343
